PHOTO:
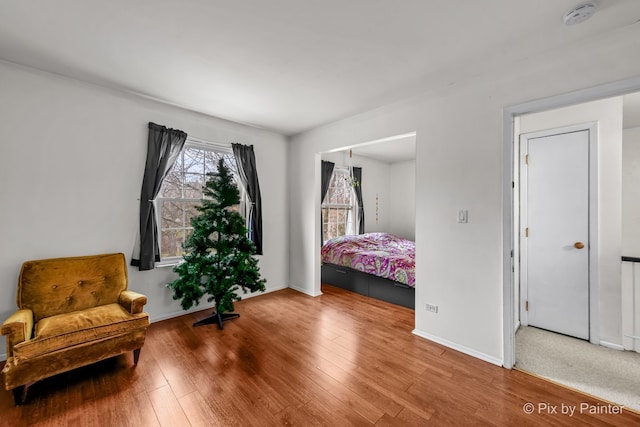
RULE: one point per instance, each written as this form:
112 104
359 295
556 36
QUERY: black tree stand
216 317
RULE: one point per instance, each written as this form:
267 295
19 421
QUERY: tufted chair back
61 285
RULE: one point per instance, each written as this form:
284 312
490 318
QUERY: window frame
220 148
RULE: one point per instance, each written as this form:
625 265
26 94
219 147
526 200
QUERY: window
182 191
339 207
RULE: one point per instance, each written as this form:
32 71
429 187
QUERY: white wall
631 192
71 168
402 201
458 165
631 236
608 114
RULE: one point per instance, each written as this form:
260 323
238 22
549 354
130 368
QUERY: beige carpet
610 374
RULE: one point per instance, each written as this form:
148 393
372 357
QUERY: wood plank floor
291 360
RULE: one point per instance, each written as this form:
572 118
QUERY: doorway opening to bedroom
367 216
576 297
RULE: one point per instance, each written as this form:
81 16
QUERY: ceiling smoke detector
580 13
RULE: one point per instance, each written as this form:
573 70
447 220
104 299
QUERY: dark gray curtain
246 162
327 172
163 147
357 175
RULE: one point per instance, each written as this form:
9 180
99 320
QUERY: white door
555 228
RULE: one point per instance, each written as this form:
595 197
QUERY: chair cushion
78 327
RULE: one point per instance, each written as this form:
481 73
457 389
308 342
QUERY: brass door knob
578 245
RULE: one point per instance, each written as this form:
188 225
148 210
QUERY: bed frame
368 285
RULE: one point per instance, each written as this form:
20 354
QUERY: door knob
578 245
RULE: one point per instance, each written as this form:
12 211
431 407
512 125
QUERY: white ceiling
288 65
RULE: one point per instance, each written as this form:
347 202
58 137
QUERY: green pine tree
218 258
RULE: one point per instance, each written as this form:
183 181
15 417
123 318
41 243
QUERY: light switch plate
463 216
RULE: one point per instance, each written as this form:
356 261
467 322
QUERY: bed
378 265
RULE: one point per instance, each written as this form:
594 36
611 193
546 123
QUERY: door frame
509 113
594 277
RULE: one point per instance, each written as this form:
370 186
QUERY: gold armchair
71 312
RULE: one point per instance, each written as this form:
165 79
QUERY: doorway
510 184
611 327
388 187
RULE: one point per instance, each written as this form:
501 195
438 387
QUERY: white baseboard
304 291
458 347
612 345
517 326
173 314
208 306
268 291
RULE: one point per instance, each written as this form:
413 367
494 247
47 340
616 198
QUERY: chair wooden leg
19 394
136 355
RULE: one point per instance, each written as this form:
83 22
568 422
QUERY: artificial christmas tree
218 259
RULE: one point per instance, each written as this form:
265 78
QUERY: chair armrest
17 328
132 301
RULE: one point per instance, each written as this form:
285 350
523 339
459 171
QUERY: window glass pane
172 214
333 230
172 185
193 160
171 243
340 192
193 184
211 161
190 211
230 162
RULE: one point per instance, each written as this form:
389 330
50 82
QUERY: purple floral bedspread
379 254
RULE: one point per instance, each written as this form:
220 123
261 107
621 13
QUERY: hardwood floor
292 360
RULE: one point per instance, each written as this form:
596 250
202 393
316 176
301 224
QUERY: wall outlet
431 308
